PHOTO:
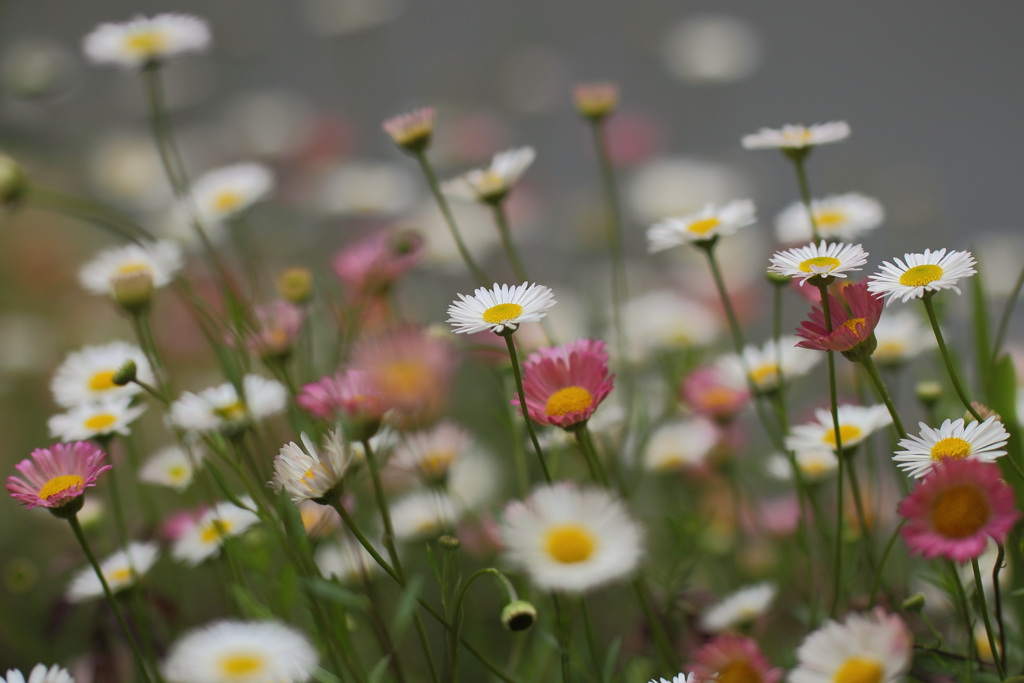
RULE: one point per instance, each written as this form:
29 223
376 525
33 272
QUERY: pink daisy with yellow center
849 329
56 476
565 384
732 659
373 264
348 394
954 509
710 392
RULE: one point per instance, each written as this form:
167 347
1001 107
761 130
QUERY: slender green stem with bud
522 404
930 307
456 613
983 608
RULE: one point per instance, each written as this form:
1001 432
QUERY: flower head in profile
922 274
701 227
87 375
732 658
413 130
818 261
95 419
241 652
225 192
501 309
349 394
565 384
875 647
429 454
278 325
956 507
204 538
40 674
797 136
682 444
572 539
595 100
710 392
843 218
121 570
129 274
491 185
172 466
853 324
762 364
984 441
741 607
146 40
312 474
424 513
372 265
222 408
856 423
57 476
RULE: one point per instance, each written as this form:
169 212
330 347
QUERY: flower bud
133 291
448 542
595 101
777 278
518 615
296 285
983 410
125 374
412 131
915 603
13 182
928 392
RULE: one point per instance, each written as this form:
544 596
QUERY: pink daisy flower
849 329
57 476
372 265
350 394
565 384
278 325
709 392
955 507
732 658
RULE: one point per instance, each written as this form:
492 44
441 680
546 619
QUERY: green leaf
249 605
324 676
376 674
333 592
610 659
407 605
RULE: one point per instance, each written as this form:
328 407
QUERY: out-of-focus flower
95 419
13 182
241 651
295 285
678 678
815 464
957 505
359 188
34 67
205 538
572 539
39 674
121 570
143 41
851 329
270 123
225 192
57 476
796 137
982 441
346 560
429 454
177 524
856 423
423 513
819 261
843 217
308 475
345 17
372 265
921 274
712 393
711 49
318 520
683 444
350 394
171 466
125 168
473 480
129 274
732 658
412 131
565 384
865 647
901 337
278 327
663 320
500 310
741 607
701 227
491 185
595 100
677 186
87 374
222 408
762 364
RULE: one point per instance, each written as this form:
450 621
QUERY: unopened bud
777 278
915 603
13 182
518 615
124 374
448 542
296 285
983 410
596 100
412 131
133 291
928 392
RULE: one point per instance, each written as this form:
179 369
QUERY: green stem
87 210
522 405
662 643
999 602
1004 321
837 433
883 393
805 194
928 306
563 631
592 644
586 442
501 220
881 564
456 614
983 607
962 599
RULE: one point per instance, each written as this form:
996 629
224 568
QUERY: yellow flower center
404 378
177 472
100 422
739 672
919 276
502 313
102 380
960 511
436 463
241 665
829 219
670 462
766 374
951 447
133 269
854 323
489 183
568 400
819 262
59 484
859 670
890 349
233 411
146 43
215 530
704 226
814 468
718 397
848 434
120 574
227 200
570 543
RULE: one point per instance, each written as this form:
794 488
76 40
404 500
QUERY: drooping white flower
983 441
311 474
87 375
740 607
121 570
921 273
97 418
493 183
819 260
226 192
844 217
702 226
797 136
143 40
501 308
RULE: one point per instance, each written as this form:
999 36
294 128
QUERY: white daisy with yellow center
797 136
205 538
843 217
221 407
429 454
901 337
856 423
150 264
705 225
819 261
493 183
241 652
500 309
681 444
679 678
569 538
815 464
866 648
345 560
741 607
663 319
95 419
423 514
40 674
311 474
172 467
983 441
226 192
121 570
145 40
920 274
762 364
88 374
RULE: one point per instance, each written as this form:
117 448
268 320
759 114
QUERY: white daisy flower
704 225
241 652
311 475
927 272
679 678
220 407
665 320
226 192
112 270
98 418
143 40
473 480
171 466
797 136
205 537
346 560
501 308
428 454
570 538
843 217
815 464
872 647
978 440
901 337
88 374
740 607
680 444
763 363
39 674
121 570
490 185
423 513
856 423
821 260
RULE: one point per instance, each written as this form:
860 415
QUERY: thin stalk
777 336
881 564
586 442
563 632
983 608
858 502
883 393
662 642
999 602
928 306
1004 321
456 617
592 644
962 599
501 220
522 404
837 433
87 210
805 194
